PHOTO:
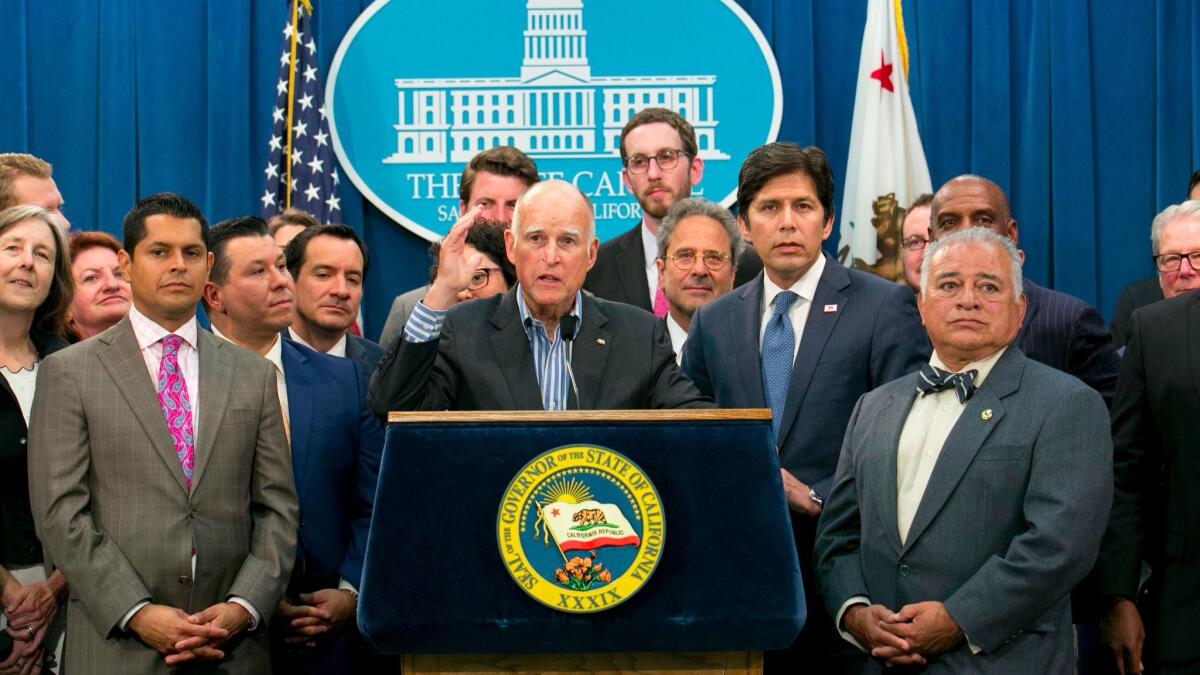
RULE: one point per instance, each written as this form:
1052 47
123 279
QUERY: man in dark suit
970 496
543 345
1155 515
1060 330
806 339
491 183
161 481
662 165
336 445
328 264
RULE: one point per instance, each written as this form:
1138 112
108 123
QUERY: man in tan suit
160 474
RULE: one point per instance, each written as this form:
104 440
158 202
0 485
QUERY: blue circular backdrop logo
417 88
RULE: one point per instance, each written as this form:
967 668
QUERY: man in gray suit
970 497
161 480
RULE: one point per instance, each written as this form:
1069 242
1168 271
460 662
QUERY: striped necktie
934 379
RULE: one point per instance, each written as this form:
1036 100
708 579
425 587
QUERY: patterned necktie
176 405
778 350
660 303
935 379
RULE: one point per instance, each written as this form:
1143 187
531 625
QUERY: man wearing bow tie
970 497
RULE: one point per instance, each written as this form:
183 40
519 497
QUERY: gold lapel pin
986 415
600 341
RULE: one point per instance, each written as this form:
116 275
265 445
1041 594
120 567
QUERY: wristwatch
812 494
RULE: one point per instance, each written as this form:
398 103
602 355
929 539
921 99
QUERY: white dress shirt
275 356
678 337
23 382
650 248
806 288
338 348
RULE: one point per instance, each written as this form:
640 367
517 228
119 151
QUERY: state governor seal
581 528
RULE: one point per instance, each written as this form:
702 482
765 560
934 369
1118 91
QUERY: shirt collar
148 332
338 348
805 287
274 354
983 366
527 319
649 245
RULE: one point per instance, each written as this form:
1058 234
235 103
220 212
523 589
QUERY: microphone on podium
568 326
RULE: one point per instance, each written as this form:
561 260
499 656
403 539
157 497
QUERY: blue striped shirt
549 358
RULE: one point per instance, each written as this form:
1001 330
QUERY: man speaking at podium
544 345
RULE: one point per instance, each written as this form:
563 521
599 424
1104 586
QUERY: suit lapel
301 394
1032 306
216 378
966 438
511 344
744 325
883 487
124 363
631 261
589 356
817 328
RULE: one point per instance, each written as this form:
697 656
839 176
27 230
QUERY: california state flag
588 525
886 156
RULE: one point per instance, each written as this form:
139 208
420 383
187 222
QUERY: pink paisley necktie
177 405
660 304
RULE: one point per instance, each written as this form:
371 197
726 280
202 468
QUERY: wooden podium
440 590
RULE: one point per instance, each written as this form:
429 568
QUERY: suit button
193 513
185 579
22 441
303 522
904 570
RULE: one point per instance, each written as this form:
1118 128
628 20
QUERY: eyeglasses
686 259
481 277
667 159
1170 262
914 242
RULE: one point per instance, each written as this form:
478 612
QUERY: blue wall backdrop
1088 113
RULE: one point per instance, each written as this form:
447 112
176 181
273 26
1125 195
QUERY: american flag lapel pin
831 309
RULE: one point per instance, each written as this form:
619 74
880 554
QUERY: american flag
310 180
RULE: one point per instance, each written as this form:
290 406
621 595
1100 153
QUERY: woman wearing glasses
495 274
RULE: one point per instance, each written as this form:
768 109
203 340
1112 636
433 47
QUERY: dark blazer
873 337
336 448
18 541
114 512
1010 521
1156 509
620 270
362 351
1138 294
622 360
1066 333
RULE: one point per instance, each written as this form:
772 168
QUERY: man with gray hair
543 345
698 246
970 496
25 179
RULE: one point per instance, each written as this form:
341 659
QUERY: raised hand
455 266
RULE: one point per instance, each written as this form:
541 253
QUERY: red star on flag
883 73
554 512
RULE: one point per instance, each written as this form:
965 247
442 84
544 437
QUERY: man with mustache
329 264
806 339
336 445
698 244
662 165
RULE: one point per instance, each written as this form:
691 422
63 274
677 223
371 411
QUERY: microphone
568 326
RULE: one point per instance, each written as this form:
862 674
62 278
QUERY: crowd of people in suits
174 496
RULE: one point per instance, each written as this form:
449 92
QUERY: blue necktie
934 379
778 348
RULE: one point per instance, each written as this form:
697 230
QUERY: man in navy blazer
336 445
848 332
1059 330
329 264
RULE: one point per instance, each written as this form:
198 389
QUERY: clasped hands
182 638
323 612
29 609
909 636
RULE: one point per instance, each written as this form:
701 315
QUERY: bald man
516 351
1059 330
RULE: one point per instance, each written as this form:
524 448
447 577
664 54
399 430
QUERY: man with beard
662 165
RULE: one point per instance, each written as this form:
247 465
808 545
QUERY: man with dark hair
288 223
661 166
336 446
160 473
914 236
1060 330
329 264
25 179
806 339
491 183
1144 291
513 351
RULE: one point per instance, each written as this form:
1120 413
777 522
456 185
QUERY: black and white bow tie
935 379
